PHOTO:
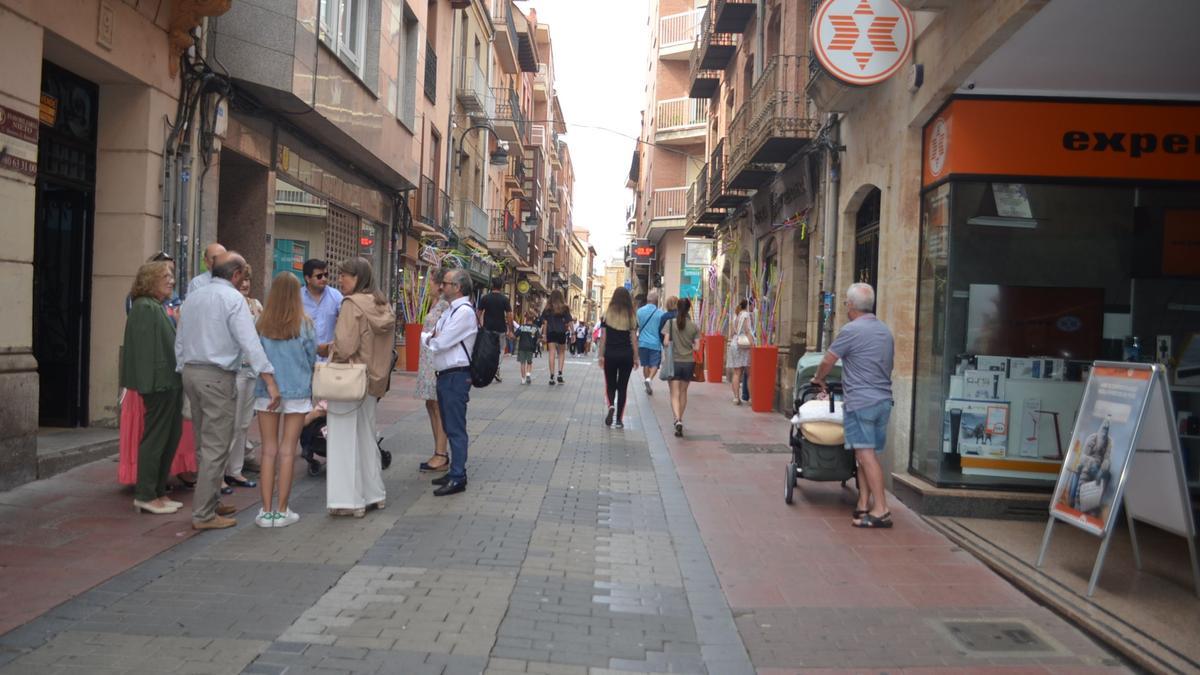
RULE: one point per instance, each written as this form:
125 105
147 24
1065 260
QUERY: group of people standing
223 359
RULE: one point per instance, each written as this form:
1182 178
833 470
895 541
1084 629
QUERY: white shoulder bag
339 381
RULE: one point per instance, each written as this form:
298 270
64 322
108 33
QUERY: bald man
211 254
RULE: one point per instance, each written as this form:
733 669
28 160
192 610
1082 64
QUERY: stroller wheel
314 468
385 458
789 485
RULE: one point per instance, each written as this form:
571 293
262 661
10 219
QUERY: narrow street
576 549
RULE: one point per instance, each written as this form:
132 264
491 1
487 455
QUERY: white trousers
241 424
353 475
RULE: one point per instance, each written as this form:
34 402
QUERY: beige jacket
365 333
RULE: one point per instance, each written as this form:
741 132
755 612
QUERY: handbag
339 381
667 371
742 340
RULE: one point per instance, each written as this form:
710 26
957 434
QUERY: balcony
431 69
509 123
543 84
773 124
429 205
681 121
721 195
473 91
710 55
471 221
515 176
533 175
505 237
732 16
677 33
700 215
294 201
516 48
668 209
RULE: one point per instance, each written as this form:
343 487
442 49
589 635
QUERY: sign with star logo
862 42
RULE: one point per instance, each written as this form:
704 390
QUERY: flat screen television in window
1023 321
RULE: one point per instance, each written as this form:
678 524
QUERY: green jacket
148 356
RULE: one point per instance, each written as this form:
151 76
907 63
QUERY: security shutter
341 236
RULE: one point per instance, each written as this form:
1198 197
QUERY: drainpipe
829 263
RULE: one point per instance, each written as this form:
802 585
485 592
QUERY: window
406 106
343 29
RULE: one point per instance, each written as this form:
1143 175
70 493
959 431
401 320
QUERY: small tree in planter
764 357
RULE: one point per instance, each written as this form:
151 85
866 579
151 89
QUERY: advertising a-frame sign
1124 453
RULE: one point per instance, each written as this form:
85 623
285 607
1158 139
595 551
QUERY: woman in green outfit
148 367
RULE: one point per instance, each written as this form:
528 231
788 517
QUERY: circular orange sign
862 42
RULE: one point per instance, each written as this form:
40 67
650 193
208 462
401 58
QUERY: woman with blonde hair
618 358
365 333
426 389
290 342
556 319
148 367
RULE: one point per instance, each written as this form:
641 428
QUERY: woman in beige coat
365 333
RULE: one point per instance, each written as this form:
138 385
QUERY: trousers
617 368
353 473
212 394
453 394
244 409
164 425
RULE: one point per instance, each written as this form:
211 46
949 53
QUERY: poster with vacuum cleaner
1100 446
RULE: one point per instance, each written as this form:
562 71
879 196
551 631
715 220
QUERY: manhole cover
1007 638
757 448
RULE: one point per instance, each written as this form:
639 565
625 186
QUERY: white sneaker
648 390
265 519
286 518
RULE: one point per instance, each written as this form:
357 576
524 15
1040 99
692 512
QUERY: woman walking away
556 319
427 391
739 356
148 367
290 341
618 358
681 340
244 409
364 333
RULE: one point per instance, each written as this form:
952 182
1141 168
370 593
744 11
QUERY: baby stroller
312 446
816 437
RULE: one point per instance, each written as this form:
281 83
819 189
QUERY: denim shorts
650 358
867 427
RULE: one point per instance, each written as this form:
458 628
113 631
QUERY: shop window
1020 287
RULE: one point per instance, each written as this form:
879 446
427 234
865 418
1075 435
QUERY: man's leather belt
453 370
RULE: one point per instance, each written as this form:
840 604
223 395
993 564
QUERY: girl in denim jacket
289 339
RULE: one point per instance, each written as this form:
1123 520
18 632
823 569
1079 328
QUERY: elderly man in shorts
866 348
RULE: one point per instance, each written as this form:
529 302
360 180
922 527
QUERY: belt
459 369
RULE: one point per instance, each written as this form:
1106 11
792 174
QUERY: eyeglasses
321 275
162 256
447 283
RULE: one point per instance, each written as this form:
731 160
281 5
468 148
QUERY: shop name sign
862 42
1137 144
1060 139
18 142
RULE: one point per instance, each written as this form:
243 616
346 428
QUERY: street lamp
531 221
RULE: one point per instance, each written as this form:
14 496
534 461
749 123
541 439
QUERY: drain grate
757 448
1000 638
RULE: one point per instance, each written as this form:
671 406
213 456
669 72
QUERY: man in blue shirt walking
321 303
649 319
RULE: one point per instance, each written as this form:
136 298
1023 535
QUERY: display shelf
1186 388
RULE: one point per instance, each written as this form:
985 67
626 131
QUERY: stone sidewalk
576 549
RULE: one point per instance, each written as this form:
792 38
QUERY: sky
600 67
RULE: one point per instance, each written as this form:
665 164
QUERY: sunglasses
162 256
321 275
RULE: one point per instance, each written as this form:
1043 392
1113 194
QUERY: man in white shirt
216 334
451 343
212 253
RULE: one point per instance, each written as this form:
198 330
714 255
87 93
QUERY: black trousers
617 368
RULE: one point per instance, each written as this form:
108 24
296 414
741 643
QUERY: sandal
444 465
871 522
856 514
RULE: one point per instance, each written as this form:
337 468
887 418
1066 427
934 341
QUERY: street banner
1124 452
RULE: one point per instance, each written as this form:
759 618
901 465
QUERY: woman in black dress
618 358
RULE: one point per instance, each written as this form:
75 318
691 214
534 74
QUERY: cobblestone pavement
574 550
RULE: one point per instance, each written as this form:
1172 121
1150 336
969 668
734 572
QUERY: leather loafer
214 523
451 488
440 480
225 509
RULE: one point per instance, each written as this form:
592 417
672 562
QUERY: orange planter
764 361
412 346
714 357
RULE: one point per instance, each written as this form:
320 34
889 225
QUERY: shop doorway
866 240
62 251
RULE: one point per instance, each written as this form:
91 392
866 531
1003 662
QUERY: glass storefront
1021 287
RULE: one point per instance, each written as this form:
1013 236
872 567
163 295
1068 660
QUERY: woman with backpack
618 357
290 342
556 320
365 332
681 334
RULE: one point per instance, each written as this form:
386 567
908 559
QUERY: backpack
484 357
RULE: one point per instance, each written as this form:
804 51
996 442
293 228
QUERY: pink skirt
133 424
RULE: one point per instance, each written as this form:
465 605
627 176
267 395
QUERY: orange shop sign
862 42
1063 139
